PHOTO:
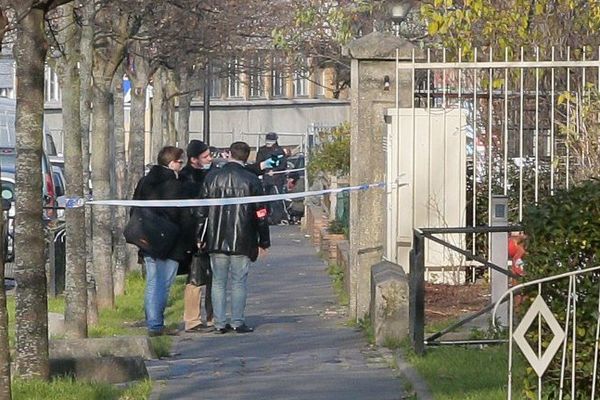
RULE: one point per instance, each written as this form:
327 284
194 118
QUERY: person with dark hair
193 174
233 235
273 183
163 183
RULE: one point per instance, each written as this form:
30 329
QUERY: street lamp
398 10
206 107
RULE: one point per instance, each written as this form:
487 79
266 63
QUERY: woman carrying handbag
164 228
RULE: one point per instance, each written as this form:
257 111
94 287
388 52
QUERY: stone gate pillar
373 62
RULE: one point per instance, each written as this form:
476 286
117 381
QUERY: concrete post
499 255
373 58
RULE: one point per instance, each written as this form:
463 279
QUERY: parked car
8 157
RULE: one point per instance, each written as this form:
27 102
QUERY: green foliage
365 325
329 24
464 373
337 281
333 155
511 23
563 234
68 389
129 308
583 132
336 226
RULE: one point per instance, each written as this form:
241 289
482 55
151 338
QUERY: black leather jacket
233 229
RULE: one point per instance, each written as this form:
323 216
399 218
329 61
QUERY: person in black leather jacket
233 235
162 183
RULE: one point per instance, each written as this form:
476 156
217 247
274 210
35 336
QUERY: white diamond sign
539 307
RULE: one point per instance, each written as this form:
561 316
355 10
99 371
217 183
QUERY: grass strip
336 274
123 320
466 373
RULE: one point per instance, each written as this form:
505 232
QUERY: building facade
246 102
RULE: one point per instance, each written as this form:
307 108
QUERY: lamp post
398 10
206 110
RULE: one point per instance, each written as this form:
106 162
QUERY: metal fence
546 344
525 119
516 114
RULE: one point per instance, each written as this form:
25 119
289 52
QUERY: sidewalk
301 347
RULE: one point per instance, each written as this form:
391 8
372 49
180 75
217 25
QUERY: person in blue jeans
233 235
163 183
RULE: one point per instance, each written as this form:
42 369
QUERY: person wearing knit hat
199 162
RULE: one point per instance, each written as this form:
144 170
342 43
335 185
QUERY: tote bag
152 232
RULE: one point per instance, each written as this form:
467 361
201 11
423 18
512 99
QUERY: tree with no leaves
66 33
30 272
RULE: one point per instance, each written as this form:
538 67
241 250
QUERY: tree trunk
112 30
101 218
157 115
170 91
137 136
5 389
30 274
186 77
75 274
85 70
138 70
120 213
183 123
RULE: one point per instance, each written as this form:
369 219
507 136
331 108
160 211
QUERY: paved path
301 348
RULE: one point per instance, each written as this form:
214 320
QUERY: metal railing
417 283
549 341
513 113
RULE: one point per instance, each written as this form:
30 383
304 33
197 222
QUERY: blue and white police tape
232 200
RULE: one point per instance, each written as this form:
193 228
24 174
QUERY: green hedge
563 234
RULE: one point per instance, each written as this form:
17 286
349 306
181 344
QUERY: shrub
563 234
336 226
333 155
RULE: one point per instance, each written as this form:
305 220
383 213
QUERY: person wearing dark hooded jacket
163 183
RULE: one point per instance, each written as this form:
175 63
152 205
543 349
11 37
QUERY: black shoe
220 331
243 329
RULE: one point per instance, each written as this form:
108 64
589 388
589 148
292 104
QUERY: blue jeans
221 265
160 275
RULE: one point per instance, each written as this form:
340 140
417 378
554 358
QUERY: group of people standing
212 241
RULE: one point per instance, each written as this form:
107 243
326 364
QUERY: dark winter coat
233 229
192 179
265 152
162 183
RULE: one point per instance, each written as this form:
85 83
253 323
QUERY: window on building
7 92
277 83
255 78
300 84
233 80
215 85
321 83
52 92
